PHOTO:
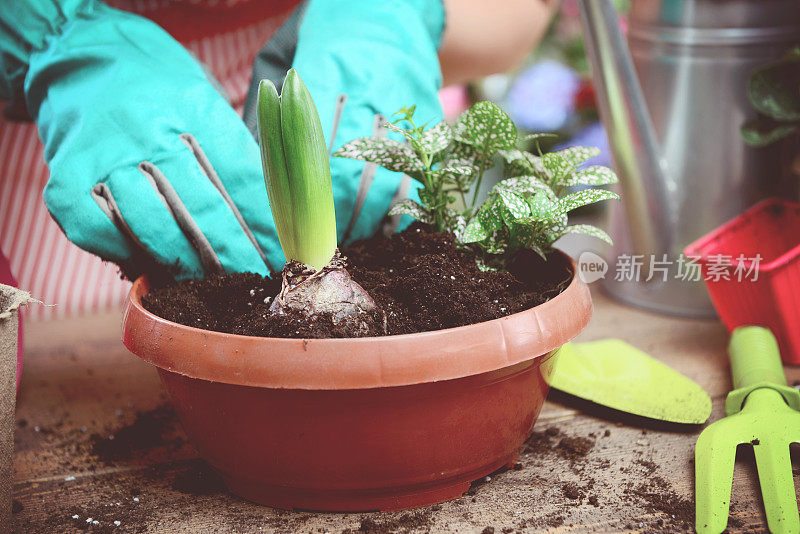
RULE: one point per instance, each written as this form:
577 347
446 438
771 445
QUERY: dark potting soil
419 278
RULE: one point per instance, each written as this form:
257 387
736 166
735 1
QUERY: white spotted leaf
584 197
387 153
487 127
514 203
436 139
561 164
473 233
588 229
392 127
519 162
490 214
594 175
412 208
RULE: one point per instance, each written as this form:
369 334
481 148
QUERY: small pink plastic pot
380 423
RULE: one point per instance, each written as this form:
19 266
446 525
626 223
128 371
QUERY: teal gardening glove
359 59
144 154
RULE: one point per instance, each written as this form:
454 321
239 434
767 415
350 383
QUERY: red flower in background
585 97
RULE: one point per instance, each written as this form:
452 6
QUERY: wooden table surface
98 448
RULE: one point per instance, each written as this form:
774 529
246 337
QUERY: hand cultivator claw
762 411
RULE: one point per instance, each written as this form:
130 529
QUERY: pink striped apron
225 35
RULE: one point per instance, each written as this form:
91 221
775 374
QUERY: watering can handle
755 357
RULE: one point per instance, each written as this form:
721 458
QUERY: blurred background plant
774 91
551 92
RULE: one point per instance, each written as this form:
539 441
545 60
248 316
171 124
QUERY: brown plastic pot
380 423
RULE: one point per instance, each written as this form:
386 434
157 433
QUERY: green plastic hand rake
761 410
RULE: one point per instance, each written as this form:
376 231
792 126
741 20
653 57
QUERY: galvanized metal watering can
673 99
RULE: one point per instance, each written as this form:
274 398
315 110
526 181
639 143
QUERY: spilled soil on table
151 429
584 480
419 278
563 478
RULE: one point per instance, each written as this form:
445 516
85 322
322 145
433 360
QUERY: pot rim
355 363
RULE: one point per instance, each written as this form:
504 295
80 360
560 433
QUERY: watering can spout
630 131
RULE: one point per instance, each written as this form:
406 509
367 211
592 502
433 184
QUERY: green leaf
547 230
456 160
594 175
451 172
556 168
560 165
536 136
455 223
461 177
526 184
554 230
436 139
763 131
520 162
490 214
406 112
273 162
408 134
514 203
307 162
531 236
458 170
472 155
544 206
497 242
576 155
412 208
535 221
486 126
485 267
387 153
588 229
473 233
584 197
428 199
774 90
511 155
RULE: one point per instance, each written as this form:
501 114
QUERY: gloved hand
382 56
143 152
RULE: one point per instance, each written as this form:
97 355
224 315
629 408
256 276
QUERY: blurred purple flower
542 97
592 135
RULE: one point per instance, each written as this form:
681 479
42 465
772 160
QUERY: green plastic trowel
618 375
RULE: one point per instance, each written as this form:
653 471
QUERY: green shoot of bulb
296 171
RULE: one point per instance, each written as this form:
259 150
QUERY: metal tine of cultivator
338 109
367 176
763 412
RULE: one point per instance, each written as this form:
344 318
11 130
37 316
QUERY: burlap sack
11 299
